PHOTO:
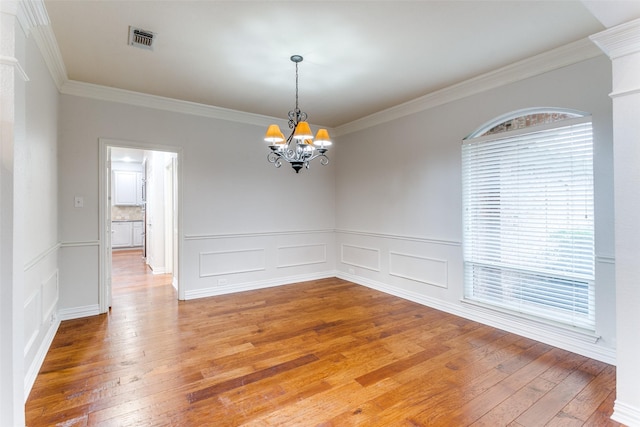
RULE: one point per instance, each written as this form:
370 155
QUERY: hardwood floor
322 353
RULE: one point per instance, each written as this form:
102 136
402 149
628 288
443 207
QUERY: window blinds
528 221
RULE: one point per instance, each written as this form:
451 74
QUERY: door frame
104 206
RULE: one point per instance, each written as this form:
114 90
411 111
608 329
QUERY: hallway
130 273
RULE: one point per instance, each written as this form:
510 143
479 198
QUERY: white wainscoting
227 263
32 320
430 272
41 320
410 261
231 262
299 255
50 289
40 310
360 256
422 269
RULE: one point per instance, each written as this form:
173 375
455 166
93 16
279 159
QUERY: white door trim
103 205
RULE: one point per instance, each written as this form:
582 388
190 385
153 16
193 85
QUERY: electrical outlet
78 202
352 271
222 282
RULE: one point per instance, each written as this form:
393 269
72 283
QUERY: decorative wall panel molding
362 257
259 234
50 297
29 265
400 237
298 255
431 271
32 320
231 262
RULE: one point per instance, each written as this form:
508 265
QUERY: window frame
543 313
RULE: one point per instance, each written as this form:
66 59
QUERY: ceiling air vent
141 38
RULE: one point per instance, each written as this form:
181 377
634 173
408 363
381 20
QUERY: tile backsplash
126 213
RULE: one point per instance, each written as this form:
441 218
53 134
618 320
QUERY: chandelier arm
274 158
324 160
297 153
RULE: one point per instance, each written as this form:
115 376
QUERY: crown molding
620 40
32 14
560 57
563 56
46 41
104 93
34 20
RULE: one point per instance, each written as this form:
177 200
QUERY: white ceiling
360 57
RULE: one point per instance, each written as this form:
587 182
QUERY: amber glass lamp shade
303 131
322 138
274 135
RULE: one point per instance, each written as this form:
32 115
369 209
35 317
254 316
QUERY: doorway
140 210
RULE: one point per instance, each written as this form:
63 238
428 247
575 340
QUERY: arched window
528 215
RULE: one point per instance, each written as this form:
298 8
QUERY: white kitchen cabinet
121 234
126 234
138 233
128 188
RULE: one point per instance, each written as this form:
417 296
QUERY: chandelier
300 148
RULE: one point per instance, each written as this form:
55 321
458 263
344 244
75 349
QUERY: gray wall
398 199
241 217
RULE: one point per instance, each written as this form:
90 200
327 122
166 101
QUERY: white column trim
622 44
619 41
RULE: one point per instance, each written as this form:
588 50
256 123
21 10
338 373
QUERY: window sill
526 322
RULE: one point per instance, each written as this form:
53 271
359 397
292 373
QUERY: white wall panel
50 296
41 318
359 256
431 271
231 262
220 264
32 320
299 255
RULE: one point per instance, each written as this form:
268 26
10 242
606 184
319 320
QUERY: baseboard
78 312
539 332
251 286
32 371
626 414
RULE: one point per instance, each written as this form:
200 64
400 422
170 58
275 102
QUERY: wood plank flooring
321 353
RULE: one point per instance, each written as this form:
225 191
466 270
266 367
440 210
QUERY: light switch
78 202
